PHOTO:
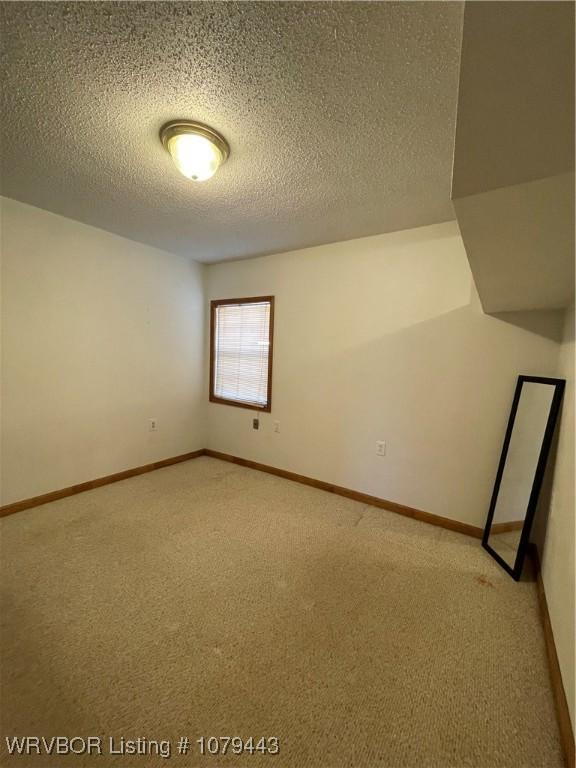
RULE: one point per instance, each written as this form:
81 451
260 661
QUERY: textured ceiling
340 118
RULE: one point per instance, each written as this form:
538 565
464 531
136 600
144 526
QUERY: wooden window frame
214 304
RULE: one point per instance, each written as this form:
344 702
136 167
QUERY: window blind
241 349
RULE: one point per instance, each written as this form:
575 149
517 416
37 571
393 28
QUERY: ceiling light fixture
197 150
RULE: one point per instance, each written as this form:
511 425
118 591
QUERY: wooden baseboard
560 701
45 498
364 498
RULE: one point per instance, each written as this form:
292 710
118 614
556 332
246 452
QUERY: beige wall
99 334
558 557
383 338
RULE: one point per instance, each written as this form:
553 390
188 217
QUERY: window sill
238 404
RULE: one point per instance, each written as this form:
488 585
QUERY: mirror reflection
520 468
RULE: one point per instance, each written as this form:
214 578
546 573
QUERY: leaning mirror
521 470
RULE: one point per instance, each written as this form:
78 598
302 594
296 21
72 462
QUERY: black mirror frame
558 384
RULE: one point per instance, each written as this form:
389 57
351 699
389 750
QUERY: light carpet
206 599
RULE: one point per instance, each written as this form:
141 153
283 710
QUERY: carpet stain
484 581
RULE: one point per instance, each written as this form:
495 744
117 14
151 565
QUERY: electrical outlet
276 426
153 425
256 423
380 448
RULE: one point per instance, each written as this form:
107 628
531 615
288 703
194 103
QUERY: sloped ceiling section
340 118
513 174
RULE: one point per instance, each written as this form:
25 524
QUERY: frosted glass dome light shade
197 150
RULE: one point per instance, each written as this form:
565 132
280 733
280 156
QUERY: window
241 352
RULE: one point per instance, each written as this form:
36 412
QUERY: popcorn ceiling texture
210 599
340 118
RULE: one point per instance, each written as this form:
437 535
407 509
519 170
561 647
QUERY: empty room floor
207 599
